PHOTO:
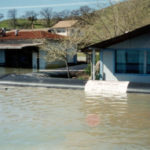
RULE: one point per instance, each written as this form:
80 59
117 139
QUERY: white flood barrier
94 87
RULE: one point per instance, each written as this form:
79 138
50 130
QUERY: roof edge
118 39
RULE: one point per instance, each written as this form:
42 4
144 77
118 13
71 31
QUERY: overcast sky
57 5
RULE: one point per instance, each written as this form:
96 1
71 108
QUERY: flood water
57 119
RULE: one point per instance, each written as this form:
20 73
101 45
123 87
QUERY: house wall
42 61
34 61
138 43
72 59
43 64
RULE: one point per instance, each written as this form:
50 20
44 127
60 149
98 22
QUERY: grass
21 24
4 24
25 24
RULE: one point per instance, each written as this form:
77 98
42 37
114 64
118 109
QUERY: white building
65 28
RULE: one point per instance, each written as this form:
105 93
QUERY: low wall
97 87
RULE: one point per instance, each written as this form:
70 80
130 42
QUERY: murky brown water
56 119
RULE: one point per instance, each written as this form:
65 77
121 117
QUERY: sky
57 5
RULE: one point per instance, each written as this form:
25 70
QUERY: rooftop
118 39
17 46
65 24
29 34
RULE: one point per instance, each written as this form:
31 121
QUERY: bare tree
12 15
1 16
63 14
84 10
62 50
31 16
75 13
82 14
47 14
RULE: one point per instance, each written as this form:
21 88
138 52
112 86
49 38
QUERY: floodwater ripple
58 119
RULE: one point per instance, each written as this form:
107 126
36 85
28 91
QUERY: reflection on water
4 71
56 119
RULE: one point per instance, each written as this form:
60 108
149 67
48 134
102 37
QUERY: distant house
124 58
65 28
20 49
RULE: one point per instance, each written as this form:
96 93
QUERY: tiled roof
65 24
24 35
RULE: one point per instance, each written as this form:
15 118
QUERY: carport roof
17 46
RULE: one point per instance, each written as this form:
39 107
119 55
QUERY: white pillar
93 64
145 62
42 61
101 65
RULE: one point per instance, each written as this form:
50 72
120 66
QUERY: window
129 61
148 62
2 57
61 30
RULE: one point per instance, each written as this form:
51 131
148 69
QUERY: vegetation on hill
116 20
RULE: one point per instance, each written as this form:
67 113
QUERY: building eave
118 39
17 46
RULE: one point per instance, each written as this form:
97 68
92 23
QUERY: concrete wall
141 43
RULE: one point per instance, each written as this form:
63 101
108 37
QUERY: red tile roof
24 35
